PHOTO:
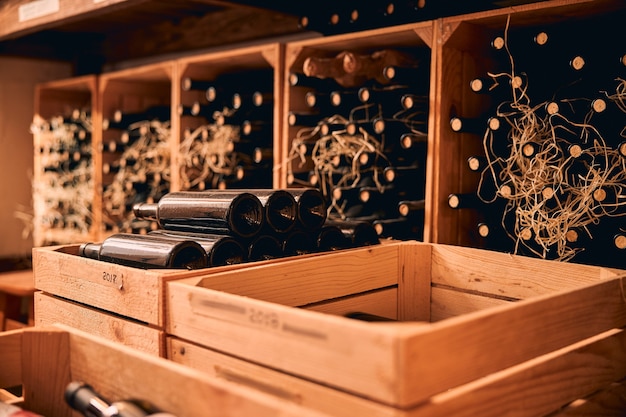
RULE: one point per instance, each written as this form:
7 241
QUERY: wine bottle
476 126
84 399
280 207
331 238
407 207
298 242
311 207
403 227
264 247
477 163
221 250
216 211
143 251
320 84
303 119
191 84
358 232
464 200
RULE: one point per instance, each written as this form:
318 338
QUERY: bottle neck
90 250
148 211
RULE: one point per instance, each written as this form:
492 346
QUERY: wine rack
63 178
136 126
437 163
229 105
552 167
343 130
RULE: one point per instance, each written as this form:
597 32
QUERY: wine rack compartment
63 178
44 360
356 124
530 125
465 314
229 105
137 141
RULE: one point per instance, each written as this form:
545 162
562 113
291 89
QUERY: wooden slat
46 371
308 280
487 341
117 371
609 402
11 358
50 310
540 386
282 385
414 283
447 303
383 303
508 276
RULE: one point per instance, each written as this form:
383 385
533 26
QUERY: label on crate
257 316
37 8
110 277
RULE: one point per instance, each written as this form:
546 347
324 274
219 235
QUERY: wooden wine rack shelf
458 48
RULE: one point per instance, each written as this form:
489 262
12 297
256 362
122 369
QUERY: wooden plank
46 371
282 385
325 276
414 283
487 341
50 310
447 303
540 386
117 371
508 276
383 303
11 358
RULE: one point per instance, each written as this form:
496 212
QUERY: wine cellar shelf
446 54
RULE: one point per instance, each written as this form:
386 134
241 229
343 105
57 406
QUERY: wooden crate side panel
478 344
383 303
414 283
11 359
298 390
540 386
312 279
46 371
130 292
447 303
341 352
50 310
507 276
118 371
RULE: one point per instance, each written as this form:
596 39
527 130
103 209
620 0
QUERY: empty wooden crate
476 332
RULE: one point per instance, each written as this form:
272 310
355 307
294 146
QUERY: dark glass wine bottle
281 208
215 211
358 232
143 251
264 247
331 238
312 207
221 249
298 242
84 399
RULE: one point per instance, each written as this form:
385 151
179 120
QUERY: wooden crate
471 321
59 99
51 309
129 292
43 361
257 67
122 303
464 53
